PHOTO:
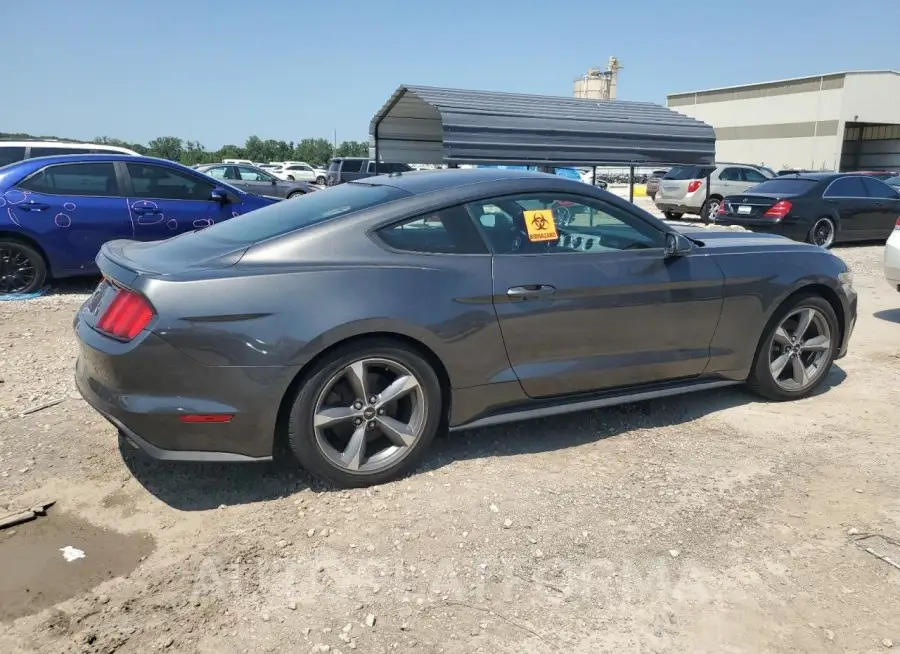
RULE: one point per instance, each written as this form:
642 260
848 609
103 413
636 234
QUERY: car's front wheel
22 268
366 414
290 178
295 194
797 350
320 180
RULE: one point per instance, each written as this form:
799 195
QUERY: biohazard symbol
540 225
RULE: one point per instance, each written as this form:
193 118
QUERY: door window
555 223
252 175
163 183
846 187
730 175
752 176
219 172
878 189
449 231
85 179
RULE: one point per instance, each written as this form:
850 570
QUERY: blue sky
219 71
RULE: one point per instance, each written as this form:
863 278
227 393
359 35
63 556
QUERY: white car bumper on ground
892 258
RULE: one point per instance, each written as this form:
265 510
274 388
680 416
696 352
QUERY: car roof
425 181
35 163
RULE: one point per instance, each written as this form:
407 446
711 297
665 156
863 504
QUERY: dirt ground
706 523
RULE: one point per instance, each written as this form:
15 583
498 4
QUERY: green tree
353 149
166 147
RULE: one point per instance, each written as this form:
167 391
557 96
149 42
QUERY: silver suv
683 189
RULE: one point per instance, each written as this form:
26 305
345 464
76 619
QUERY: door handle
33 206
530 292
145 210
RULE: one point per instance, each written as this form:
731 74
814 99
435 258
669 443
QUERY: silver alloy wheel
800 349
712 209
823 233
369 415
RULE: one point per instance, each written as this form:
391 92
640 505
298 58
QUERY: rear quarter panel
757 282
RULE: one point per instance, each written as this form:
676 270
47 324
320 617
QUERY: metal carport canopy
428 125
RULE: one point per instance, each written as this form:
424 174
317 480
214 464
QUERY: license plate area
744 210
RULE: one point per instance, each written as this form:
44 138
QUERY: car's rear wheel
822 233
796 350
290 178
366 414
710 209
22 268
672 215
320 180
295 194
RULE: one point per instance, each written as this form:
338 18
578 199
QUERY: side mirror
219 195
677 245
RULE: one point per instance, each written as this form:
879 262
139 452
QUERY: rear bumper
677 207
143 389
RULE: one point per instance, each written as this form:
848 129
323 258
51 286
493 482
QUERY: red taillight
722 211
126 315
897 224
694 184
207 418
778 210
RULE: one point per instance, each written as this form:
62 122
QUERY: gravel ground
707 523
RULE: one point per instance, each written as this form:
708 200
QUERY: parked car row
683 189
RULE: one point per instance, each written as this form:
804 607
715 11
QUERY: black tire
672 215
825 223
302 439
295 194
709 209
12 251
761 380
320 180
290 178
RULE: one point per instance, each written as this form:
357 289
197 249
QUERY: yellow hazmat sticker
540 225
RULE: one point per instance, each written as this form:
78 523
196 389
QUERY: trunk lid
186 253
682 180
749 207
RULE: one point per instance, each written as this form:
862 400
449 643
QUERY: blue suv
56 212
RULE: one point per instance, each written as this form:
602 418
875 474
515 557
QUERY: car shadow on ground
891 315
200 487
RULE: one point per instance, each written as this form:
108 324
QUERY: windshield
782 186
893 181
310 209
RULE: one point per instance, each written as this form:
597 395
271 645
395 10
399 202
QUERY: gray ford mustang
355 323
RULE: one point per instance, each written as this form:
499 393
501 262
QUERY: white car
892 257
301 171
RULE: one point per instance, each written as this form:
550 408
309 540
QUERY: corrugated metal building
427 125
839 121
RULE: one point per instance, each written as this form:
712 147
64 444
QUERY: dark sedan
819 208
354 323
256 180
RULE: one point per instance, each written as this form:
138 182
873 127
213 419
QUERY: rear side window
10 155
752 176
352 165
310 209
781 186
53 152
334 166
689 172
84 179
449 231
